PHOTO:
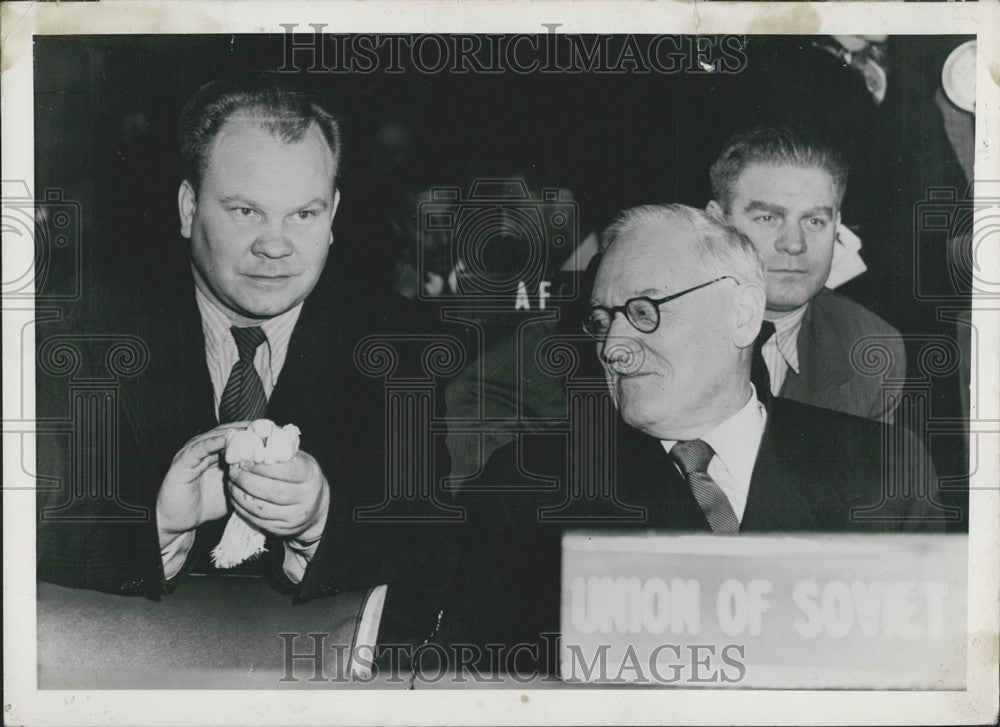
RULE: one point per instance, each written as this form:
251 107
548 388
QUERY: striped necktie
244 398
693 458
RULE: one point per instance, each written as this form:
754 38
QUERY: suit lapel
175 398
314 361
647 476
779 498
786 494
823 367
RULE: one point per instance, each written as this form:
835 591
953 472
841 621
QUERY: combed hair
281 111
722 249
773 145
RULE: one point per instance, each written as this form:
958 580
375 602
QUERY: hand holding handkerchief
263 442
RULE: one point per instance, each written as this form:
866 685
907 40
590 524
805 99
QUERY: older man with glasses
677 303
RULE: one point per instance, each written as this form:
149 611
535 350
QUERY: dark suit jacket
339 411
827 377
813 468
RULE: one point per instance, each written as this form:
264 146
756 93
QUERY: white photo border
24 704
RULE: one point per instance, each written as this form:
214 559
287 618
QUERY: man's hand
185 501
289 499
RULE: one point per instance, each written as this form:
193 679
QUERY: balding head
720 247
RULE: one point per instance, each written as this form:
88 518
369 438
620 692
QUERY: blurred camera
950 232
494 241
45 236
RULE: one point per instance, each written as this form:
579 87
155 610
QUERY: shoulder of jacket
831 304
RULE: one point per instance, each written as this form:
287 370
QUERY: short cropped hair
281 111
722 249
772 145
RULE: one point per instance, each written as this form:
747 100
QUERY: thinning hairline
710 255
301 126
298 139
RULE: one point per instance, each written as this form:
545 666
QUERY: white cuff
174 553
297 557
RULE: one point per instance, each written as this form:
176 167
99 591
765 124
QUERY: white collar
216 325
737 439
786 335
735 442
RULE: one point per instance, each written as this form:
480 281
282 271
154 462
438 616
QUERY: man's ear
336 204
749 302
186 206
714 208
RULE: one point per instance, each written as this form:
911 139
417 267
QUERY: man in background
784 191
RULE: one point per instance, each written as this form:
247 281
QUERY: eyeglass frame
656 303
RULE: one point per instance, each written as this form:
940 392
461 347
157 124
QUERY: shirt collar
786 335
216 325
737 439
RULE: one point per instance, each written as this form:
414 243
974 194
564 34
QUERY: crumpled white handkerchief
262 442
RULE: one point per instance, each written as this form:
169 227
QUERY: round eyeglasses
642 312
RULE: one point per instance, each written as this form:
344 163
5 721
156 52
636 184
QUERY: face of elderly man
686 376
260 226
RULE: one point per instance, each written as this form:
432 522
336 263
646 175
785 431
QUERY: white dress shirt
781 351
221 355
735 442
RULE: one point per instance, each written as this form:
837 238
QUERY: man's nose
273 242
791 239
620 349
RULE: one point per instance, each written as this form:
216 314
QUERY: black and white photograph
517 363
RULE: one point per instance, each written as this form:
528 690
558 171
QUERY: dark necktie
693 458
244 398
759 374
